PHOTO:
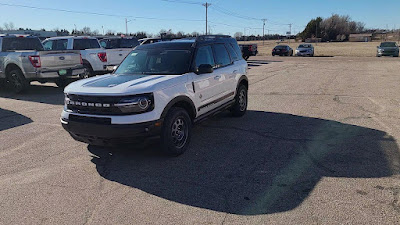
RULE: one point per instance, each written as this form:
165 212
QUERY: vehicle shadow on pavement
10 119
37 93
261 163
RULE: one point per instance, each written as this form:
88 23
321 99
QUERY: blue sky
172 15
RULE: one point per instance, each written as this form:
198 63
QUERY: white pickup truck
94 57
117 49
23 59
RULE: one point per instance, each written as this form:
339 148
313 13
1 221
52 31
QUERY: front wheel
176 132
240 106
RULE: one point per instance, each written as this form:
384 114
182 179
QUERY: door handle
235 71
217 77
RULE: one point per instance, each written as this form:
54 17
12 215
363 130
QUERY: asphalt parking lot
319 145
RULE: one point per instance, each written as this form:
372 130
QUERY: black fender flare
181 99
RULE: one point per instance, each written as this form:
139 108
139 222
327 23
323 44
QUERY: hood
124 84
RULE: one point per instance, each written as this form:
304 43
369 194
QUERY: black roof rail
211 37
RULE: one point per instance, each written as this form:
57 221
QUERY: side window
48 45
60 44
232 52
204 56
221 55
103 43
236 47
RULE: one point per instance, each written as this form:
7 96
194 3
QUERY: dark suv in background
388 49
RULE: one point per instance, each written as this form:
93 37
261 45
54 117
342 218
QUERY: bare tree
9 26
86 30
238 35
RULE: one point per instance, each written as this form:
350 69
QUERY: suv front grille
95 105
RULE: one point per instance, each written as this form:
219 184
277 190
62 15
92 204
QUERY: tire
89 71
16 81
61 83
176 132
246 57
240 106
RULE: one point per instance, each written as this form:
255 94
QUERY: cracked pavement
319 145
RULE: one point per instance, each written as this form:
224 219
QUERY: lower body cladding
100 131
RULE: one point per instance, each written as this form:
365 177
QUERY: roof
360 35
75 37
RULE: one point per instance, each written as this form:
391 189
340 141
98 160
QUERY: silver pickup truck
23 60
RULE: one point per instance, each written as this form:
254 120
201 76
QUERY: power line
184 2
98 14
234 14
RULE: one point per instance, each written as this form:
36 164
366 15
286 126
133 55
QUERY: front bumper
388 53
86 129
304 53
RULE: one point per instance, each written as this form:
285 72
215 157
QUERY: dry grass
358 49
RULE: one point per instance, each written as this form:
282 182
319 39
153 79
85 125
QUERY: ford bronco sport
160 89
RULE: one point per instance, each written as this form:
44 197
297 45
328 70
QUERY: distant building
37 33
360 37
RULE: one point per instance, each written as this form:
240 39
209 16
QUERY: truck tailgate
60 59
115 56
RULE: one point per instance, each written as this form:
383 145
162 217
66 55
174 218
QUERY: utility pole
264 20
207 5
290 31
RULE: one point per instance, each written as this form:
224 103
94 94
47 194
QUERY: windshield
156 61
304 46
388 44
21 43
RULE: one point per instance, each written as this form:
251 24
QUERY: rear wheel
240 106
88 71
176 132
246 57
16 81
62 83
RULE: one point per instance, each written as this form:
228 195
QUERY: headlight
380 50
136 104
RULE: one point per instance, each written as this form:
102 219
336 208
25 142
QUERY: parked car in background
282 50
117 48
305 50
388 49
23 60
94 56
159 90
248 50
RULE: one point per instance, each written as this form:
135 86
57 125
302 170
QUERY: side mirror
205 68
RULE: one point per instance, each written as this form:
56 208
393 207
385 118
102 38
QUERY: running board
215 111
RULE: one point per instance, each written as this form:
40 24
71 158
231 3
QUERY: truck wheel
16 81
240 106
88 71
176 132
61 83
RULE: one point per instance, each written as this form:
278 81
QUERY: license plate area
93 120
62 72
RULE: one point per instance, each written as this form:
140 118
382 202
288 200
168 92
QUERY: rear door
206 86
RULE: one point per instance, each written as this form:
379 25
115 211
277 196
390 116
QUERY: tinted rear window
129 43
232 52
280 47
16 44
82 44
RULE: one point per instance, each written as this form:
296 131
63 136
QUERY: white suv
160 90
